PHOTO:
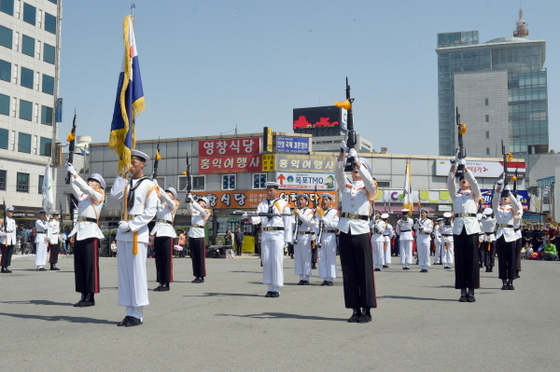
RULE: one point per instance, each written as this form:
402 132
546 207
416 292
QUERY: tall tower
500 88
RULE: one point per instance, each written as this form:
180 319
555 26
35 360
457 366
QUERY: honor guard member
54 240
326 236
276 231
388 234
303 229
7 239
355 244
199 216
378 226
505 209
164 236
424 228
465 230
488 239
404 231
437 241
90 195
517 228
133 237
41 240
447 250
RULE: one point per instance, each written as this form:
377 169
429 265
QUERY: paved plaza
226 323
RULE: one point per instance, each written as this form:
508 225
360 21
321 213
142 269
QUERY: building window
45 147
22 182
7 6
3 176
48 53
46 115
487 134
26 78
487 118
25 110
50 23
28 46
53 1
40 184
4 104
4 138
259 180
485 101
6 37
48 84
198 183
488 151
228 182
24 142
5 70
29 13
383 183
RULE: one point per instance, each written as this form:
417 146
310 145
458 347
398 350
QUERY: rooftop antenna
521 30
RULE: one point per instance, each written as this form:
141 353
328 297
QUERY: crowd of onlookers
26 240
540 242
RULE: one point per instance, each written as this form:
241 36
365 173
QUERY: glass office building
460 53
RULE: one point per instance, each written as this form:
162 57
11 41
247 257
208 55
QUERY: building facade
500 90
29 70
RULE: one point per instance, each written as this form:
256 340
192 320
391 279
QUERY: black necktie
270 210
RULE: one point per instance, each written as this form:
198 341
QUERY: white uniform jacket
165 215
377 229
404 228
142 210
279 206
488 226
464 204
54 231
90 203
306 220
424 227
505 215
329 221
8 233
356 196
42 228
198 219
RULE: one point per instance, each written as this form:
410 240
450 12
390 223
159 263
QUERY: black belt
165 221
405 230
385 235
328 231
354 216
465 214
516 230
305 232
504 225
273 228
86 219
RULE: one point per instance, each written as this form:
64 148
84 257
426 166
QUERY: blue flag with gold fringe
129 102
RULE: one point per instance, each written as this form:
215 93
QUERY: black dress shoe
198 280
87 303
471 298
424 270
330 284
385 266
158 288
54 268
124 322
41 269
3 270
447 267
301 282
406 268
268 294
324 283
275 294
504 287
79 304
164 288
354 318
132 321
8 271
510 287
364 318
377 269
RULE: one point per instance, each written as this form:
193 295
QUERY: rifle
189 184
157 158
320 233
351 134
72 139
462 151
508 156
5 217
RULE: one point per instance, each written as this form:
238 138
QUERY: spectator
549 252
239 237
114 248
183 243
228 242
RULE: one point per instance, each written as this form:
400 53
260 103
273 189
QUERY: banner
488 169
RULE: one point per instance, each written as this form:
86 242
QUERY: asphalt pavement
226 323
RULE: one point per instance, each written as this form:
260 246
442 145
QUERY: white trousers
327 256
423 249
406 252
133 280
40 254
447 256
272 256
302 255
378 253
387 250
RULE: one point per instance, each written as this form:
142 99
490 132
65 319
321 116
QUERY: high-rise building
500 90
29 69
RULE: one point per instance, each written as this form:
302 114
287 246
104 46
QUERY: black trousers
518 247
198 257
467 272
7 251
489 253
54 250
357 270
86 265
507 258
163 251
239 247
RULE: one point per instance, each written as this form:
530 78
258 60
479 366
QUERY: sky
211 67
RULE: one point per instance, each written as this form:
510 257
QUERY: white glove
155 182
123 227
453 160
189 198
343 146
70 169
245 215
462 162
500 182
352 153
